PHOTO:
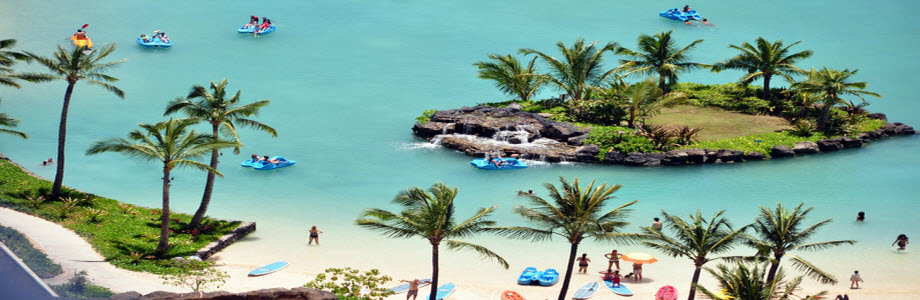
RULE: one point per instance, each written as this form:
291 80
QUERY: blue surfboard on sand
405 287
621 290
271 268
586 291
445 290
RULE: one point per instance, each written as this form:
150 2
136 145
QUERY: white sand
476 279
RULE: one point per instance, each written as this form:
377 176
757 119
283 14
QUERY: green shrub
349 283
618 138
759 142
196 275
80 287
426 116
34 258
728 96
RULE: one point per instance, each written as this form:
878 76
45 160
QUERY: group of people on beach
901 240
613 259
156 34
259 28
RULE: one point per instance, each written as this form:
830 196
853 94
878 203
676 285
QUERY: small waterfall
444 129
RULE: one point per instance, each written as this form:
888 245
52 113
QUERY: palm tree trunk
568 271
208 188
766 90
696 278
822 119
434 271
662 85
774 267
164 216
62 138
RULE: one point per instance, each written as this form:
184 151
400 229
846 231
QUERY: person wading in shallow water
314 235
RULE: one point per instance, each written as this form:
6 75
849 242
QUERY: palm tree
744 283
659 55
8 59
580 70
644 99
510 76
73 66
828 85
170 143
430 215
573 213
224 116
764 60
782 231
696 240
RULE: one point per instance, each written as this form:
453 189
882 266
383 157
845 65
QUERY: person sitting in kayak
266 23
253 21
145 38
265 158
498 162
163 37
686 8
276 161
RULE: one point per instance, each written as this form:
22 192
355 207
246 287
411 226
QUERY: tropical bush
194 274
348 283
426 116
81 287
619 139
729 96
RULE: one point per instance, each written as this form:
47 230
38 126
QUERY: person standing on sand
855 279
637 271
413 288
583 263
314 235
901 241
613 258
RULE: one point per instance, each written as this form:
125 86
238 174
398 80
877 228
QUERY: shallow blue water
347 79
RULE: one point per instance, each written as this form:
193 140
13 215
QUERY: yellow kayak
84 42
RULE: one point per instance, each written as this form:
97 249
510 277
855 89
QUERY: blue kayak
620 289
677 15
250 162
252 29
445 290
527 276
498 164
271 268
265 165
548 277
155 42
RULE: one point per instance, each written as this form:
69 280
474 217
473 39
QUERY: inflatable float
252 29
155 42
84 42
498 164
677 15
265 165
666 293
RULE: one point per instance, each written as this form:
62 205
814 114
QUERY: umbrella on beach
640 258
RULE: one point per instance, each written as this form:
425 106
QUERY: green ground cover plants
126 235
34 258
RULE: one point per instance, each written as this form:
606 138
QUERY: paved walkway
73 253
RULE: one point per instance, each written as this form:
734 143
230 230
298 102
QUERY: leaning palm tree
581 67
573 213
170 143
783 230
510 76
828 85
696 240
659 55
764 60
224 115
747 283
7 121
430 215
644 99
73 66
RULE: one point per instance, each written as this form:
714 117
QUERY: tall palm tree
764 61
430 215
172 144
828 85
696 240
73 66
783 230
8 59
7 121
644 99
224 115
747 283
581 67
658 54
573 213
510 76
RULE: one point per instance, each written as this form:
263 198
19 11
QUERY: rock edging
469 129
273 293
241 231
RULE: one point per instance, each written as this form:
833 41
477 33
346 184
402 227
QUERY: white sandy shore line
74 253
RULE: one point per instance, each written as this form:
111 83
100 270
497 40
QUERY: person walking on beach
657 224
854 280
637 271
413 288
901 241
314 235
613 258
583 263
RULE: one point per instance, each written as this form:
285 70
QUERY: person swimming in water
901 241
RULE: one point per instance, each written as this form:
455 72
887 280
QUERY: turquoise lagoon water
347 79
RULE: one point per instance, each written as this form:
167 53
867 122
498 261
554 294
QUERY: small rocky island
512 132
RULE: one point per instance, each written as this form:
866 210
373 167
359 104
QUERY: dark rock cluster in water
510 132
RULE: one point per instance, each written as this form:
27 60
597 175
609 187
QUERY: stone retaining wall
241 231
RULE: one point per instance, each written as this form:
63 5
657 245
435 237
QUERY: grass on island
34 258
126 235
717 123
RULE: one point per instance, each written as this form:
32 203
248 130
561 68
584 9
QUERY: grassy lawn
126 235
717 123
